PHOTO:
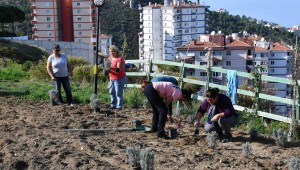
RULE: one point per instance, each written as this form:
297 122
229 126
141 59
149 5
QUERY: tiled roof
105 36
198 45
279 47
260 49
175 5
238 43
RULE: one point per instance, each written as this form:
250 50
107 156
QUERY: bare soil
35 135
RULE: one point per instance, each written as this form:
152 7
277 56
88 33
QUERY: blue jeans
65 82
116 88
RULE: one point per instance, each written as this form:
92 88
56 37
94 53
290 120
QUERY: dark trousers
65 82
160 110
223 126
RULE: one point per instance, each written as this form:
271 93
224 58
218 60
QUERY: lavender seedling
280 137
146 104
254 134
178 111
94 102
212 139
246 149
53 96
133 153
294 164
191 118
147 159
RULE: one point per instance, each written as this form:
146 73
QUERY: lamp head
98 3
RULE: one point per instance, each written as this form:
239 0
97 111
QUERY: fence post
297 103
150 69
183 75
257 83
209 77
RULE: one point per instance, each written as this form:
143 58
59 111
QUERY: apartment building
166 27
241 54
65 20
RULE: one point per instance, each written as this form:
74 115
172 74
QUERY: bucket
173 133
137 123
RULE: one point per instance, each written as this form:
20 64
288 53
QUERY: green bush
192 87
133 96
77 61
13 72
39 70
85 73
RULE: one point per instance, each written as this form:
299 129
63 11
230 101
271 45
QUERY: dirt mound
36 135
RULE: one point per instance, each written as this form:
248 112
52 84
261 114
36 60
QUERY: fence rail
260 96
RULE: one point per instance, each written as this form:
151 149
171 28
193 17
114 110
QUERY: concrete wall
75 49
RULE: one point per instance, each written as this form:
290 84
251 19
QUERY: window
78 11
216 74
272 70
203 63
49 33
249 52
179 31
48 19
272 54
79 40
215 63
78 3
228 63
202 74
187 31
288 53
217 53
228 52
254 55
79 25
48 26
249 62
272 62
79 18
202 53
47 11
79 33
47 3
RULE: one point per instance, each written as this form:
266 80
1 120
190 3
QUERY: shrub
77 61
39 70
246 149
133 97
133 153
147 159
280 137
13 71
85 73
294 164
212 139
192 87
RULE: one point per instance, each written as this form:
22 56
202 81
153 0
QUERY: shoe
59 103
71 105
151 131
112 107
163 136
225 140
119 109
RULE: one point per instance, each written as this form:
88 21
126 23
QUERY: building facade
65 20
241 54
166 27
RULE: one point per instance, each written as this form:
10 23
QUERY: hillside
20 52
122 22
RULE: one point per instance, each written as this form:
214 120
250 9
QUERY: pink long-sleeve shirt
169 91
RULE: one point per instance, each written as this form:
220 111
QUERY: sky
282 12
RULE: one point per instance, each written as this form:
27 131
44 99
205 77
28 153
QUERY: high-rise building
64 20
166 27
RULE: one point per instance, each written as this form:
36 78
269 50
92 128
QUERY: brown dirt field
33 137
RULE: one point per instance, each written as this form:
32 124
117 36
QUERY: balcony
32 1
33 22
34 29
33 14
93 14
32 7
34 37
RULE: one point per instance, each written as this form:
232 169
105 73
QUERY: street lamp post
98 4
